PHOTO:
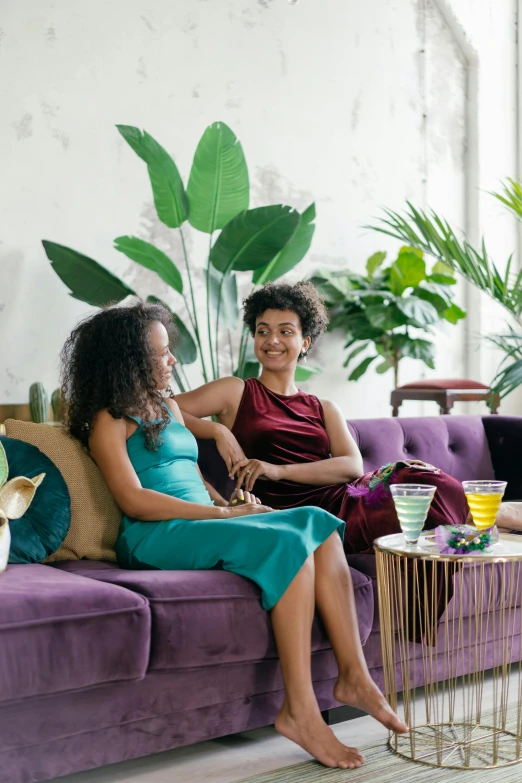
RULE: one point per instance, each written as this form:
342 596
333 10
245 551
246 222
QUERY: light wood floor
230 759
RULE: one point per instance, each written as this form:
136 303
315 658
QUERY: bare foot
312 734
365 695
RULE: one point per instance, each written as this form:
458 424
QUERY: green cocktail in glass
412 503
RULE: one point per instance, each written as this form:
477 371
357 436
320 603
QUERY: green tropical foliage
389 310
428 232
266 242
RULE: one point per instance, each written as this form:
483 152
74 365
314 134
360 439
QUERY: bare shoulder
105 421
106 430
332 410
213 398
174 408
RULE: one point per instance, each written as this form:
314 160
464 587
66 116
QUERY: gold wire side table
439 649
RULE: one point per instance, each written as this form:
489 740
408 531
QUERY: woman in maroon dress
296 449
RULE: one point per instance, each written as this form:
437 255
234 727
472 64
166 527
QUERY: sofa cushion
95 517
59 631
443 383
205 618
42 528
455 444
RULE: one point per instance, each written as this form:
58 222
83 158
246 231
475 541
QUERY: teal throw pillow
44 525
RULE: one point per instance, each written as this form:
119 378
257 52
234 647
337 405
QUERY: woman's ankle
299 706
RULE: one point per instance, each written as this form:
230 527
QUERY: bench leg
396 404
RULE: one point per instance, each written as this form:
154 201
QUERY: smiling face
279 340
162 359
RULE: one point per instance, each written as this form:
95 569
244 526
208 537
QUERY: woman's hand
247 471
240 498
228 447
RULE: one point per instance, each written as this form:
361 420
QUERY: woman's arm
345 464
509 517
226 443
108 448
219 398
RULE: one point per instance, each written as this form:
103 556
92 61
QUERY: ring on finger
248 471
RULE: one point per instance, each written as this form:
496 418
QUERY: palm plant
267 241
432 234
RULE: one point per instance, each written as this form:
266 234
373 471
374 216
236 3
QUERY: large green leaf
304 372
334 288
218 187
169 194
383 367
453 314
440 268
355 352
224 287
374 262
87 280
385 317
419 349
253 238
361 368
152 258
185 349
408 270
4 469
437 295
442 279
419 311
292 253
358 327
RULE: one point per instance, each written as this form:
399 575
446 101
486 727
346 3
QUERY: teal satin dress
267 548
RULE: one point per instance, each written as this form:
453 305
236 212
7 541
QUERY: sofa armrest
504 434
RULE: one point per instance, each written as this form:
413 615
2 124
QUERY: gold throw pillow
95 517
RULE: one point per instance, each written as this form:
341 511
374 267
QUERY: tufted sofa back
456 444
466 447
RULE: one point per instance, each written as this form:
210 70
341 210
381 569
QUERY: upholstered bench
445 392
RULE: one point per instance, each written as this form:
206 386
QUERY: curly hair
301 298
107 363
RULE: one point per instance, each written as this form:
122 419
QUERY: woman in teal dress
116 369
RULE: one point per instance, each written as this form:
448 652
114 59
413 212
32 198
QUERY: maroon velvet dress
285 430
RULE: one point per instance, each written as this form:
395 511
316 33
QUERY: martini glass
412 503
484 499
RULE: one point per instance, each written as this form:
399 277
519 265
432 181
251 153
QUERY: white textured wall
353 105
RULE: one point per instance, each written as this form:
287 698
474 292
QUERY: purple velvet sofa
99 664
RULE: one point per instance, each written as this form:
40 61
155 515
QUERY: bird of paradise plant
266 241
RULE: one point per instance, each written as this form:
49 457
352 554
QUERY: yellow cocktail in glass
484 499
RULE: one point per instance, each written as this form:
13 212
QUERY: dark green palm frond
507 379
510 343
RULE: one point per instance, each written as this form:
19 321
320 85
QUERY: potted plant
389 311
266 242
432 234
